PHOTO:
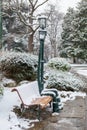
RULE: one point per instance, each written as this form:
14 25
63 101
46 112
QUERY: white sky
63 5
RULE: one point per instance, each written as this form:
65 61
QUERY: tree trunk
30 43
31 34
74 60
55 49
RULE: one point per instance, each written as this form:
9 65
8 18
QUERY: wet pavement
72 117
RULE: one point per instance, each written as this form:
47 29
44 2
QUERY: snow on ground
80 68
65 96
83 72
8 119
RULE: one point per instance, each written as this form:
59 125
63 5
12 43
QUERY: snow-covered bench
29 96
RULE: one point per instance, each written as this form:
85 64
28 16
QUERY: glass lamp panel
42 22
42 34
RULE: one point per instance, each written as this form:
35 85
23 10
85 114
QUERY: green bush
19 66
58 76
59 64
64 81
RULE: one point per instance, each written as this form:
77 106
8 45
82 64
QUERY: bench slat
42 101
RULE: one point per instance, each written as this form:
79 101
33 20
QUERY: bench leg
39 112
22 109
50 104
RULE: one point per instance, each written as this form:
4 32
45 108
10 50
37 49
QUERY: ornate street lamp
42 35
42 22
50 92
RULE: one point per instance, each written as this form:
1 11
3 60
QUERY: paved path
72 117
85 113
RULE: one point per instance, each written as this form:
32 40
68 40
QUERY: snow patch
83 72
65 96
8 119
65 121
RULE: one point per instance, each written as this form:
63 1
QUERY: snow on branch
40 4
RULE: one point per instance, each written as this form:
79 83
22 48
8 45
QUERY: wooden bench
29 96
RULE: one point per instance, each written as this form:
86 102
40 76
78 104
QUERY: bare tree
54 21
28 18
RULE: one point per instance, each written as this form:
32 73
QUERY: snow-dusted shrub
19 66
64 81
1 89
8 82
59 64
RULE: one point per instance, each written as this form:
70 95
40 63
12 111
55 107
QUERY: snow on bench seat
42 101
29 95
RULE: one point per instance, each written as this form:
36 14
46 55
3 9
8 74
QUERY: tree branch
40 4
30 3
36 29
35 3
23 21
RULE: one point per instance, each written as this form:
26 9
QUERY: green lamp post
42 35
50 92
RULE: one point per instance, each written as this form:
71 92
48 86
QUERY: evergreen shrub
19 66
59 64
58 76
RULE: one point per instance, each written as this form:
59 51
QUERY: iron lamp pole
50 92
42 35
